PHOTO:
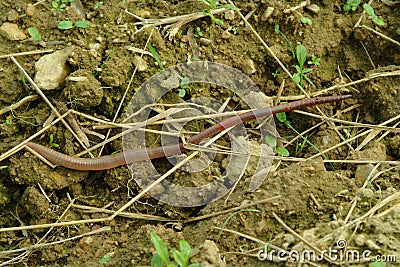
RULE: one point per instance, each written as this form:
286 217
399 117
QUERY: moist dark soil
323 201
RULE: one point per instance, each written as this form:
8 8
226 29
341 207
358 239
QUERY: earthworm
140 154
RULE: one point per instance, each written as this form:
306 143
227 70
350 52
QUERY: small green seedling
271 142
98 5
156 57
314 60
282 118
351 5
184 85
234 30
181 256
59 5
198 33
276 74
51 142
213 4
9 122
301 56
278 31
67 25
34 34
370 11
82 24
104 259
162 257
3 167
377 264
306 20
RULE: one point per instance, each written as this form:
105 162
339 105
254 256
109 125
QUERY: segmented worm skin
140 154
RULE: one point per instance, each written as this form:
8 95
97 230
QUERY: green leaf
281 116
270 140
54 4
378 21
296 78
346 8
3 167
369 9
185 82
106 258
306 20
301 54
180 258
276 29
181 92
65 25
377 264
156 261
185 248
160 247
155 55
230 6
282 151
82 24
34 34
219 22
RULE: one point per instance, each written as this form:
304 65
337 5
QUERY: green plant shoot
34 34
370 11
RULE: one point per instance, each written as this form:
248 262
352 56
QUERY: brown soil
315 196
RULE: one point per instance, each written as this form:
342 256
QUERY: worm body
140 154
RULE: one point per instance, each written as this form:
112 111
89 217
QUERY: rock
360 240
140 63
313 8
204 41
226 35
93 49
12 16
12 32
84 89
34 202
268 12
230 15
52 69
248 67
30 10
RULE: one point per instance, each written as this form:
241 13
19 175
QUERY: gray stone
248 67
12 32
313 8
52 69
140 63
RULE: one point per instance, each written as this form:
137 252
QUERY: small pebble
360 240
313 8
12 16
268 12
205 41
230 15
140 63
12 32
30 10
226 35
248 67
